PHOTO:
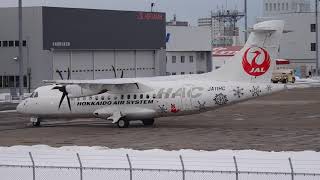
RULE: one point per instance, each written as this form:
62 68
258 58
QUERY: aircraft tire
148 122
36 124
123 123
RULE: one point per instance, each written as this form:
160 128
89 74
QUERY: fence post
183 169
236 166
33 167
130 166
291 167
80 163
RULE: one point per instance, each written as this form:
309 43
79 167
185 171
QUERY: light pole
245 21
211 29
20 50
317 40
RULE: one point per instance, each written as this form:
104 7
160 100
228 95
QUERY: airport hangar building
86 41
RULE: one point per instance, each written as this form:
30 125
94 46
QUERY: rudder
256 60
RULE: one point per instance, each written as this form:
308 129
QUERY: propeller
115 72
64 94
121 74
63 88
69 74
60 74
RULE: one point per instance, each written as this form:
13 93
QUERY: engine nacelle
75 91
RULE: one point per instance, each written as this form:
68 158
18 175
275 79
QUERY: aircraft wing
106 85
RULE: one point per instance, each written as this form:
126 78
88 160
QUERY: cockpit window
31 96
36 95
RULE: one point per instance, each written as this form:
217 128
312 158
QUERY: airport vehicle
283 76
128 99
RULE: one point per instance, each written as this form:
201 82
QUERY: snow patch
156 162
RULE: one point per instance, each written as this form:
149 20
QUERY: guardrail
35 166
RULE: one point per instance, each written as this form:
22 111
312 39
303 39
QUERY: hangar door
145 63
61 62
80 64
98 64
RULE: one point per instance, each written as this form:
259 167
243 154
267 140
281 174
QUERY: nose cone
20 108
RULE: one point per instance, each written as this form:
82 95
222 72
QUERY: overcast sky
188 10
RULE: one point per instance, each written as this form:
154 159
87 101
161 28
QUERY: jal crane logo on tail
256 61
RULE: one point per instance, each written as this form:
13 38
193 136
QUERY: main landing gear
124 123
148 122
35 121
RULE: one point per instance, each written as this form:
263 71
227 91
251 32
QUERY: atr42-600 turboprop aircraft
247 75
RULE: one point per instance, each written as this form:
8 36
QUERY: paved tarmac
286 121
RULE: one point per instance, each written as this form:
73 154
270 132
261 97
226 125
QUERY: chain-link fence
53 166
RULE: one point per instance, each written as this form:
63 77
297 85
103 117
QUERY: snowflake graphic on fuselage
202 106
269 88
221 99
255 91
238 92
163 109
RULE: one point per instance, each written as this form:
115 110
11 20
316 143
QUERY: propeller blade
62 97
121 74
69 104
57 71
69 73
114 71
63 89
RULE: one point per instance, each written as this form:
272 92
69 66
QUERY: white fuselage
246 75
168 98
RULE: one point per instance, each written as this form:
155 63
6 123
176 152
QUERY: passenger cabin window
147 96
134 96
141 96
128 96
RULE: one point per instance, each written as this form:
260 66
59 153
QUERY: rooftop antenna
152 5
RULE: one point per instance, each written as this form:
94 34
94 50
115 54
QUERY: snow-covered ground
159 164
